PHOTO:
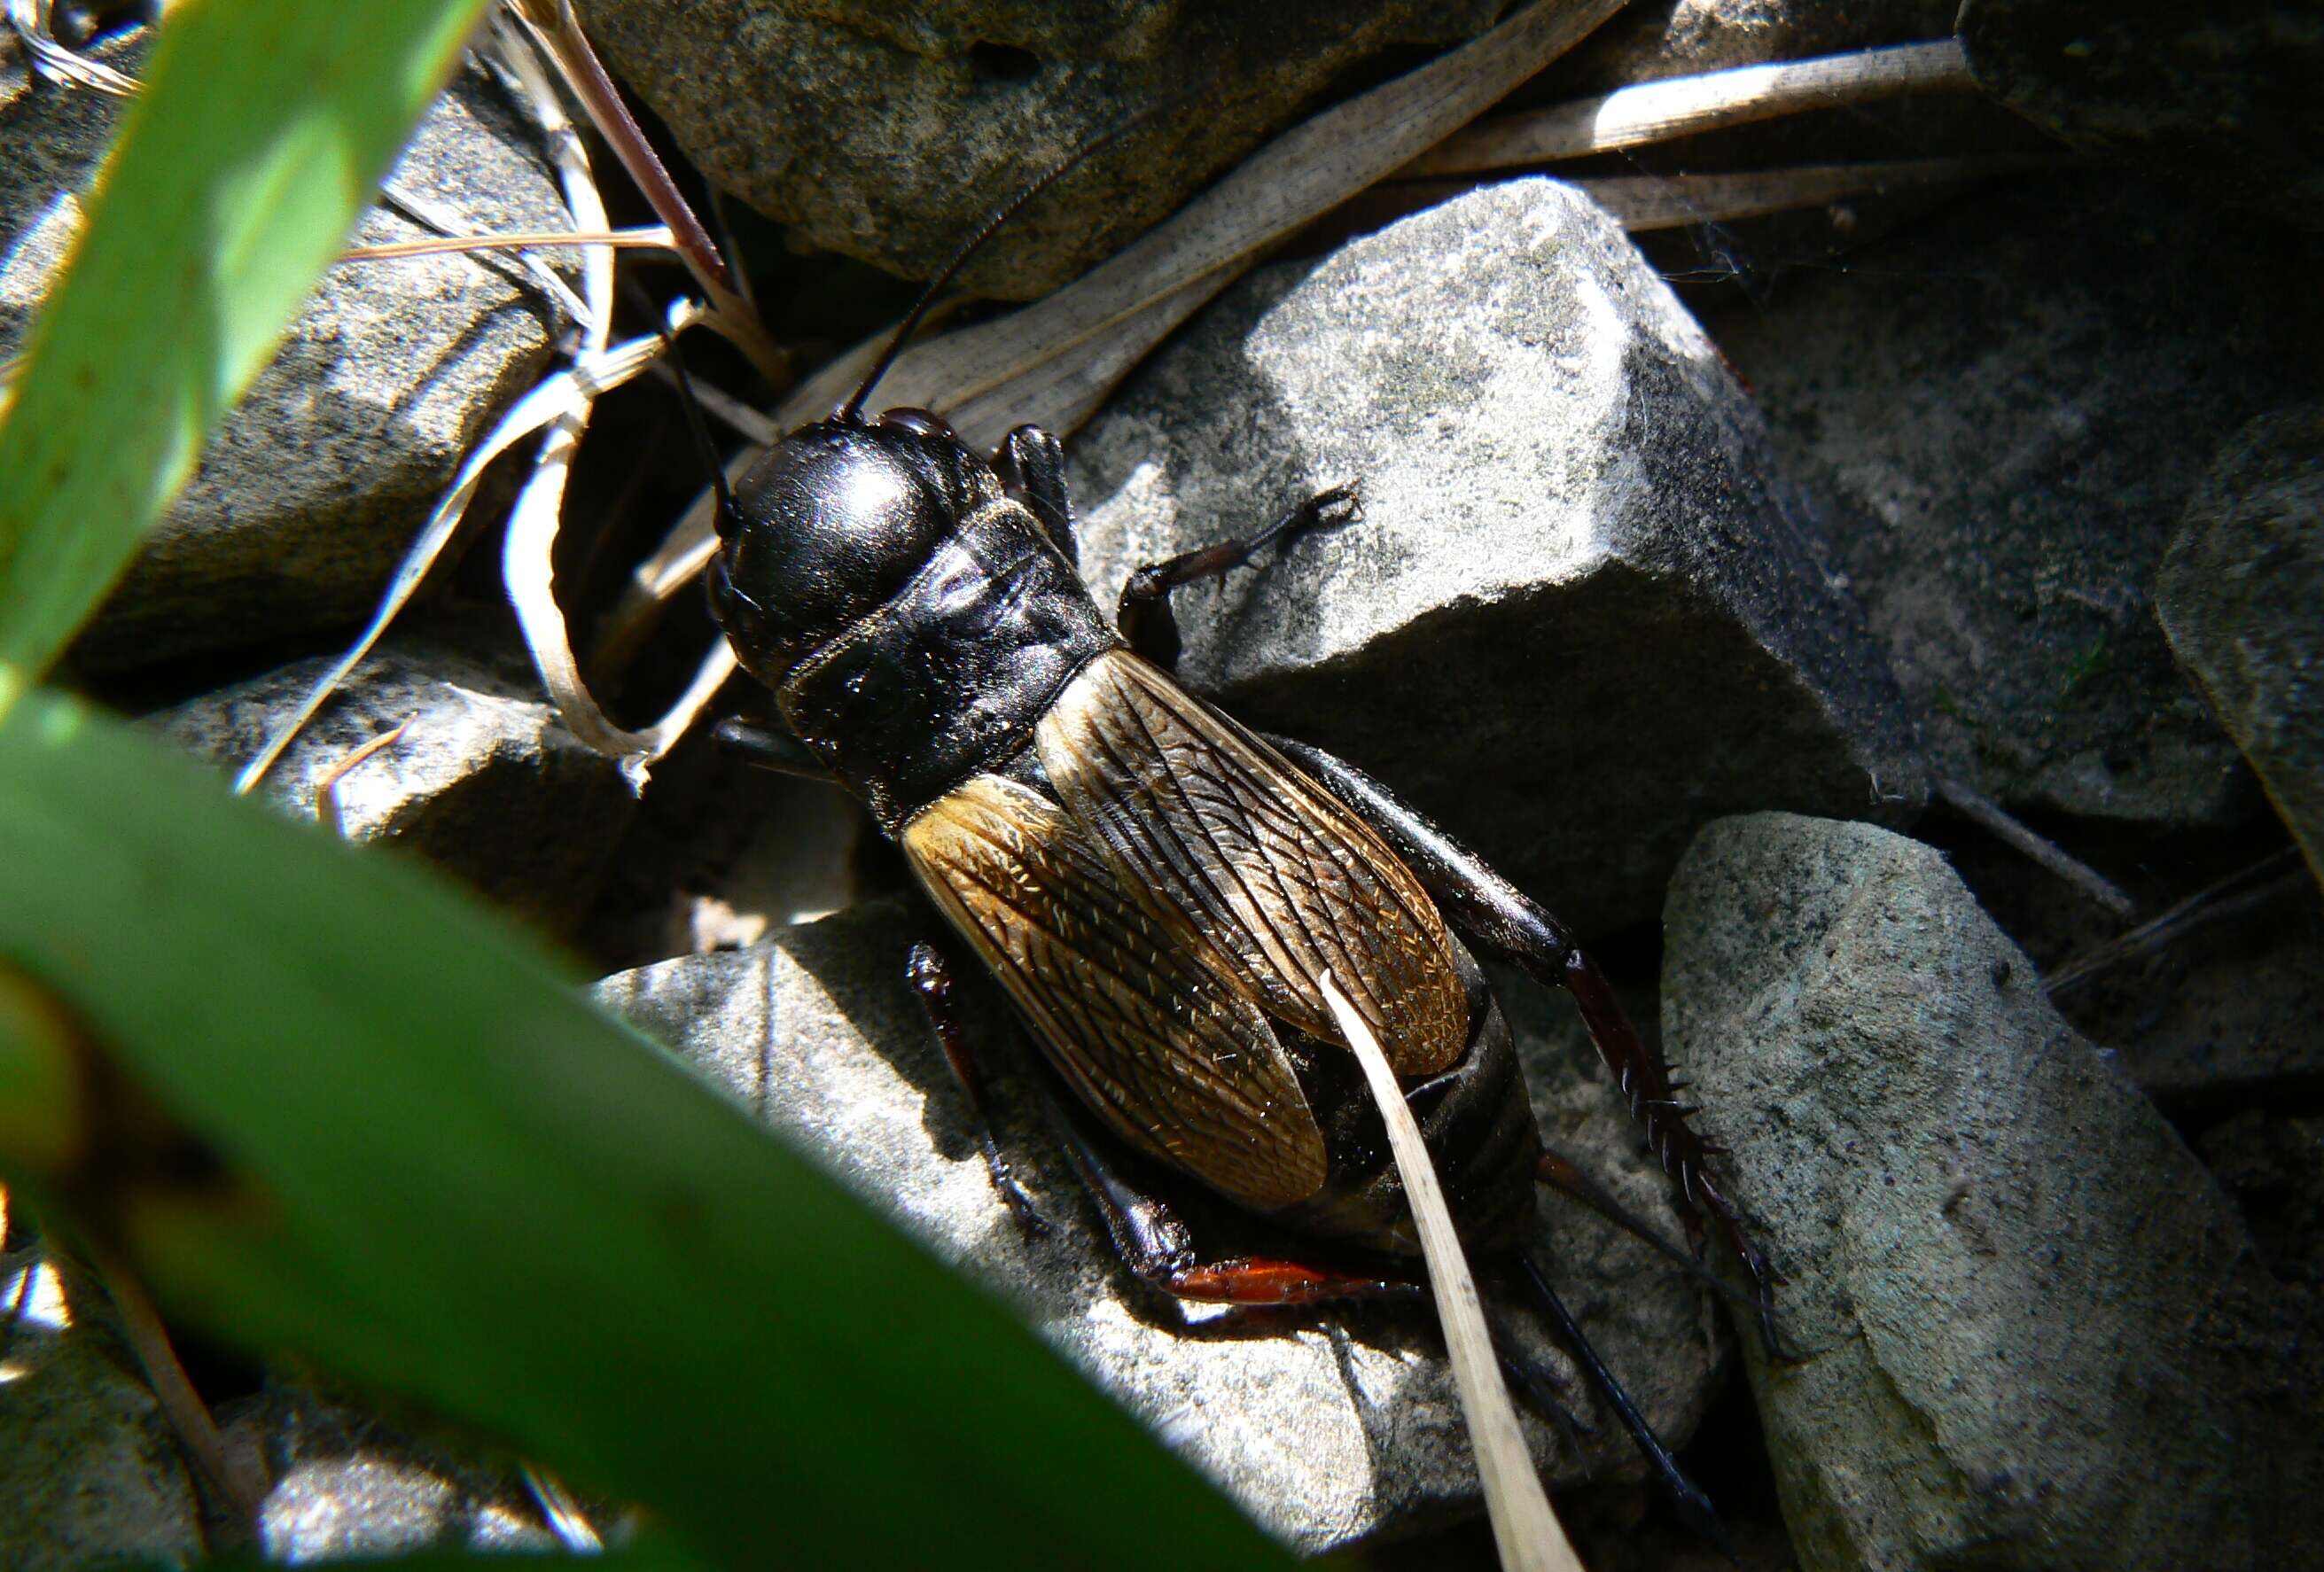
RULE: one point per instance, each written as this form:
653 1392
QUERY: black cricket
1156 887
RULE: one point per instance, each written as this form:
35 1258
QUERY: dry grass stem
527 553
1524 1528
557 33
527 558
327 791
651 237
30 21
1646 202
1052 362
234 1472
430 214
1653 111
559 396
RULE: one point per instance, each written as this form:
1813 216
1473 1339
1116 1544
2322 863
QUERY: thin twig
1641 203
527 566
1996 821
431 215
650 237
558 33
326 790
589 376
1524 1528
1989 814
2247 889
1679 106
238 1477
528 570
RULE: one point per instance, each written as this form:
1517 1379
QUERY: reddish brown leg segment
1153 1242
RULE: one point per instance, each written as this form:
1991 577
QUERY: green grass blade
417 1157
263 130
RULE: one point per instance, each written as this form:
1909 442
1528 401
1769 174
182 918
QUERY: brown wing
1148 1030
1252 858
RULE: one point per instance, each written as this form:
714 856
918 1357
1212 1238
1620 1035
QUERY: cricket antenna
851 412
704 449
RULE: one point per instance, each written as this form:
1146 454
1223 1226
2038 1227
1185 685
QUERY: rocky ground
1726 587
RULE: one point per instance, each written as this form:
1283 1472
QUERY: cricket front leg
1145 617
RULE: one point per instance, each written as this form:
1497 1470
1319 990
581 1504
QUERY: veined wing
1253 859
1149 1030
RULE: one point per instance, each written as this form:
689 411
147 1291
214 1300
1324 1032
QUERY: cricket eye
920 423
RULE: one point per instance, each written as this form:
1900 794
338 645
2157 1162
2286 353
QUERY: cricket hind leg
1486 908
1145 617
1154 1243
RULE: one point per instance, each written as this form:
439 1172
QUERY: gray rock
890 133
89 1469
2239 595
2033 1333
2217 97
346 1483
310 491
1582 615
2010 406
486 783
1330 1432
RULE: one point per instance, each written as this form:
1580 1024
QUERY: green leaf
329 1107
263 130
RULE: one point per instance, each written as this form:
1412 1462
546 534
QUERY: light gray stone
892 132
310 491
2241 596
1330 1431
485 782
346 1483
2032 1332
1582 614
90 1472
2009 408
